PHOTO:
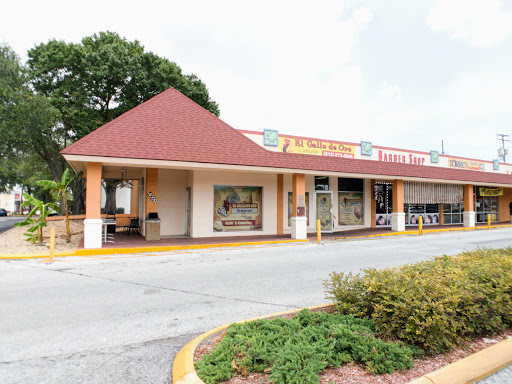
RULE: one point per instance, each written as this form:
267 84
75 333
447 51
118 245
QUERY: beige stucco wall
202 201
171 201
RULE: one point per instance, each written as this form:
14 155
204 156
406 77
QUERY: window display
237 208
350 201
485 205
383 203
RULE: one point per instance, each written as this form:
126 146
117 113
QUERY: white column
469 219
92 233
299 227
398 221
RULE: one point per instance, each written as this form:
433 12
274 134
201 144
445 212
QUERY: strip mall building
206 179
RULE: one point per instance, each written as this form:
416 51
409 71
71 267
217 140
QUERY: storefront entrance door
324 210
188 211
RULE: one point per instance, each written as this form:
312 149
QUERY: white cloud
484 23
391 91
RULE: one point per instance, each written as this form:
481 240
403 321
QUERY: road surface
122 319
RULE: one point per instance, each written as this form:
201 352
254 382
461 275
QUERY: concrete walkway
123 240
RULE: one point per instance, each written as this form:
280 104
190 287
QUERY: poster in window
237 208
350 208
290 207
324 210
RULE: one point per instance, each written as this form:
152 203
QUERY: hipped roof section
171 127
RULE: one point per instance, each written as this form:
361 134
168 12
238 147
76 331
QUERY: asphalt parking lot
122 319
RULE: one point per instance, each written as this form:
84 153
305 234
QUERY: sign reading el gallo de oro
316 147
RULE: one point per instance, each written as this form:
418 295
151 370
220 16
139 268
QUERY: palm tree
61 188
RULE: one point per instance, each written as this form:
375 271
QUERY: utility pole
442 147
502 152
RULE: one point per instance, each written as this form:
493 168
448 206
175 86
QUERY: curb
120 251
467 370
183 371
424 231
472 368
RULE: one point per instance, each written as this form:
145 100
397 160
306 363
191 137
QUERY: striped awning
432 193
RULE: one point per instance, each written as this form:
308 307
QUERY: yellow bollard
488 221
318 232
49 259
420 225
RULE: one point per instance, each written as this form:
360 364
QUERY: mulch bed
354 374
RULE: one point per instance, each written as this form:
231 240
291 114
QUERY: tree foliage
67 90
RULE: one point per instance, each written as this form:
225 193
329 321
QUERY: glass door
187 211
324 210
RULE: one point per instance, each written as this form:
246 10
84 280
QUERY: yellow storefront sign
491 191
316 147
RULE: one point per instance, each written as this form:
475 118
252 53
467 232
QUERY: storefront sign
350 208
399 158
491 191
316 147
237 208
466 164
290 207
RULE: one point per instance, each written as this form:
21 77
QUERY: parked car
3 212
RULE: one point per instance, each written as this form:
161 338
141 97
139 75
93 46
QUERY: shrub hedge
295 350
434 304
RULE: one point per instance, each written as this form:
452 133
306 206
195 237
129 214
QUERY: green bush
434 304
295 350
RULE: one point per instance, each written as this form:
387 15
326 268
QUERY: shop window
350 185
485 205
322 183
237 208
452 213
383 195
350 201
429 213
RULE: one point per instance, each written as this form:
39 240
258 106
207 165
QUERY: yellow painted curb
424 231
183 371
113 251
17 256
472 368
120 251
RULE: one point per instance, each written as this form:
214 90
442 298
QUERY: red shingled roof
172 127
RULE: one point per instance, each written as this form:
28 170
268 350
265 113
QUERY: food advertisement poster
350 208
290 207
237 208
316 147
323 210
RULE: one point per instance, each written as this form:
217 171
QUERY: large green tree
70 89
28 125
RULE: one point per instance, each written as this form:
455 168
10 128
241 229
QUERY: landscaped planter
473 367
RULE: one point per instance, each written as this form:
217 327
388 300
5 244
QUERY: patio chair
134 225
111 228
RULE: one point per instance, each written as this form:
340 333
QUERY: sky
405 74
